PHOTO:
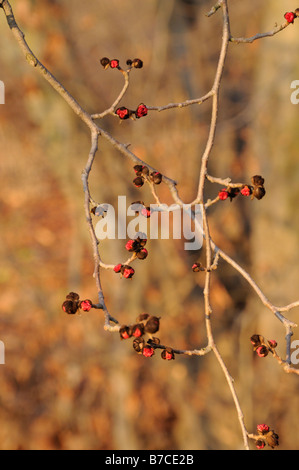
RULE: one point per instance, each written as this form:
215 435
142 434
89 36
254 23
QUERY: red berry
114 63
290 16
86 305
223 194
141 111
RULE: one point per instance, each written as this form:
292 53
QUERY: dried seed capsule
138 345
142 317
70 306
72 296
138 182
105 62
156 177
137 63
125 332
272 439
257 180
152 325
259 192
142 254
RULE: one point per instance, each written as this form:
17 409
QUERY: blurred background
66 383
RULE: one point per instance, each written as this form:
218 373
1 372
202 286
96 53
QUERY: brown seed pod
152 325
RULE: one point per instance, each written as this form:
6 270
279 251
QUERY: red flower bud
290 16
148 351
138 330
131 245
260 444
167 354
272 343
246 191
263 428
223 194
146 212
117 268
127 272
123 112
114 63
124 332
86 305
141 111
262 351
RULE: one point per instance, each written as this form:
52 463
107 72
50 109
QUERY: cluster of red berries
137 246
73 303
145 324
143 174
255 190
261 346
290 16
266 436
114 63
126 113
125 270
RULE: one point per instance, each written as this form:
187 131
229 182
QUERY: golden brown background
66 383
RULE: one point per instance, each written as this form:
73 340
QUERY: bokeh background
66 383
